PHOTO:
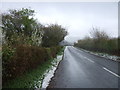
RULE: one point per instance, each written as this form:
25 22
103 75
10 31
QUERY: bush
7 53
100 42
25 59
53 34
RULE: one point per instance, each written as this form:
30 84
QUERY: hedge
24 58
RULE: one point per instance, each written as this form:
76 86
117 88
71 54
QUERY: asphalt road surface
80 69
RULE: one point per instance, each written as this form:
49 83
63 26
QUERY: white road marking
102 67
111 72
84 57
89 59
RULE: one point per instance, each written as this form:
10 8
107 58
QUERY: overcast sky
78 18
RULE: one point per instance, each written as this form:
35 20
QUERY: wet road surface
79 69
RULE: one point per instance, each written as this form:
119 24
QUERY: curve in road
79 69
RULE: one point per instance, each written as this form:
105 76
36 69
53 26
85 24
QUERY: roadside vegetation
27 46
34 77
100 41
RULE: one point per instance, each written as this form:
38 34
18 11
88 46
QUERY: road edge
55 72
90 52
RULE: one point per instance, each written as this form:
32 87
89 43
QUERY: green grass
62 50
32 78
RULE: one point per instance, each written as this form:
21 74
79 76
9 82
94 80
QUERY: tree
17 21
97 34
99 39
100 42
53 34
19 25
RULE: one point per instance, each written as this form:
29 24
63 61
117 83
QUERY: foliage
22 38
25 59
8 52
53 34
29 79
99 42
20 26
33 78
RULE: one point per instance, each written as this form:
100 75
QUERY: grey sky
78 18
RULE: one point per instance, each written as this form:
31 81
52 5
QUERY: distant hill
65 43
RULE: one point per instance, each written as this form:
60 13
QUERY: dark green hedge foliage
24 58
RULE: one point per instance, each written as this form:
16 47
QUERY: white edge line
111 72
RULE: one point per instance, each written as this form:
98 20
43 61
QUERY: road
80 69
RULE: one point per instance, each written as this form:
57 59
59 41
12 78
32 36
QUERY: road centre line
111 72
103 68
89 60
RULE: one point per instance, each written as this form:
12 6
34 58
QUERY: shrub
99 42
25 59
7 53
53 34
